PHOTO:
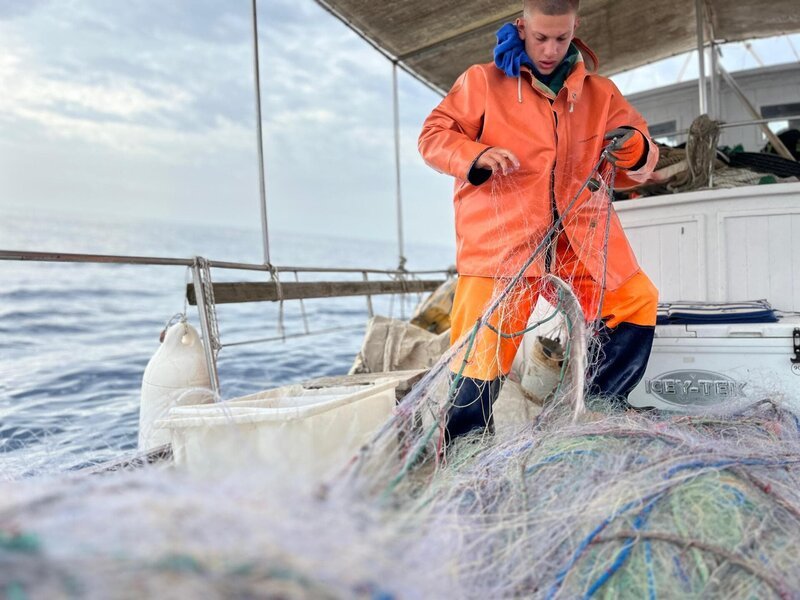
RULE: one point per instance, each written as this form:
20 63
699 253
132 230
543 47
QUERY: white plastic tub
290 431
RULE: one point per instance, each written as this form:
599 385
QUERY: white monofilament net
582 501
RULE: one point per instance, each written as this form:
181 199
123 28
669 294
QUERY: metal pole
724 126
399 194
713 103
701 81
714 112
370 309
205 328
716 99
759 121
752 51
791 45
685 66
260 140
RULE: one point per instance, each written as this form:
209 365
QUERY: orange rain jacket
558 139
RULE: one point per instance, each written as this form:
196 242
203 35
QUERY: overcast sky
146 108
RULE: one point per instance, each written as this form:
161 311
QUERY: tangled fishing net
627 505
585 500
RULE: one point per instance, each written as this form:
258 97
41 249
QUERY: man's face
547 38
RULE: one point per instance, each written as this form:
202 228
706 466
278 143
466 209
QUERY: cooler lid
784 328
702 312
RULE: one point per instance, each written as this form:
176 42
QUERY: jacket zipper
550 255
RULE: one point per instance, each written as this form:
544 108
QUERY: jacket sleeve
448 138
622 114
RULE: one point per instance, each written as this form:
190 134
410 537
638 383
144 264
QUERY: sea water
75 338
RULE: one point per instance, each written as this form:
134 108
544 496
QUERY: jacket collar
585 64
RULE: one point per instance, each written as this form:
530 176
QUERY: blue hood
509 53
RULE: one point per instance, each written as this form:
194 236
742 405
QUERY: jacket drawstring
519 88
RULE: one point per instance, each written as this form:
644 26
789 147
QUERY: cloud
116 98
116 112
152 104
96 97
11 9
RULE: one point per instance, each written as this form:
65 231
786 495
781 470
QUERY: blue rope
558 457
650 499
507 453
638 524
739 499
721 464
562 574
681 572
651 578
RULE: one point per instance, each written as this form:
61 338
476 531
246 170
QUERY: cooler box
712 364
286 432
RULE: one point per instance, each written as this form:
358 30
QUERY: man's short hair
551 7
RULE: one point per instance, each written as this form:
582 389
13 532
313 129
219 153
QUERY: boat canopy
436 40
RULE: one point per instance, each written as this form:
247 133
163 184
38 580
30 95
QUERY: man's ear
520 23
577 24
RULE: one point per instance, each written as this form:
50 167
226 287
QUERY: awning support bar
774 139
701 55
398 189
714 104
260 139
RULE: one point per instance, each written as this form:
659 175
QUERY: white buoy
542 369
177 375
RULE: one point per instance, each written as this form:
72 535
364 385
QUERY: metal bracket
796 338
208 321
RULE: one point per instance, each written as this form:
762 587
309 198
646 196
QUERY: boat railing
206 294
34 256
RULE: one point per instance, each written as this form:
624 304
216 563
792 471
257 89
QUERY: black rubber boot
619 359
471 408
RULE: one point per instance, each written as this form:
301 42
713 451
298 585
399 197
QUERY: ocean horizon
75 338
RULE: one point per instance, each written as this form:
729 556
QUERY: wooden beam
228 293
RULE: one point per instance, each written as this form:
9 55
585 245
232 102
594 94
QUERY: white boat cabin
774 91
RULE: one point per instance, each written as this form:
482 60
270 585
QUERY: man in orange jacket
521 136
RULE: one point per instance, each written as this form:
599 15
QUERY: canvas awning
435 40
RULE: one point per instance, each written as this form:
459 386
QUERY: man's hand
498 160
627 147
